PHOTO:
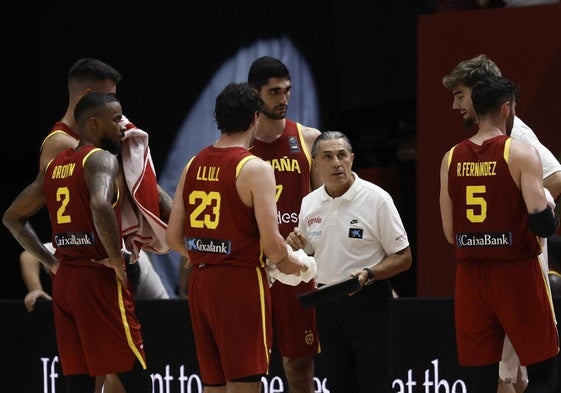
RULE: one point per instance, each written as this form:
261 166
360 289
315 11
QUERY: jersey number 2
62 196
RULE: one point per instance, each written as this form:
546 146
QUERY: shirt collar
348 195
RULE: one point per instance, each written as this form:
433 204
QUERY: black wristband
543 223
370 278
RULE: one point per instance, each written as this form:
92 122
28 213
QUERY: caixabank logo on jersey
495 239
74 239
215 246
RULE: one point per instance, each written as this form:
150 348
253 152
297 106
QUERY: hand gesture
116 263
32 297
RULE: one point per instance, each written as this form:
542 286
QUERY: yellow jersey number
62 196
278 193
474 197
202 200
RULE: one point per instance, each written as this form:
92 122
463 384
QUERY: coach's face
334 162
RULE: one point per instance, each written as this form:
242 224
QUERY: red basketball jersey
291 161
489 213
68 202
220 228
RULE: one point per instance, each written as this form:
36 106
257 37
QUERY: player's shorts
488 298
230 309
96 326
294 326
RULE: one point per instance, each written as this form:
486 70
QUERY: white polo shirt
522 132
350 232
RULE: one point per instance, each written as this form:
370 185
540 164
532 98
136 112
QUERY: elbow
408 263
406 260
9 221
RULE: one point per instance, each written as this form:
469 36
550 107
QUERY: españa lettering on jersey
285 164
485 168
291 164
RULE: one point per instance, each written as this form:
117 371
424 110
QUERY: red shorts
495 297
294 327
230 310
96 326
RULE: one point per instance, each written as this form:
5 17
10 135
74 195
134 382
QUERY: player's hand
291 264
116 263
32 297
296 240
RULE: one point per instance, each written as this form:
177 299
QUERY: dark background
427 325
363 55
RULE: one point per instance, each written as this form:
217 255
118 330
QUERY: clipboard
329 292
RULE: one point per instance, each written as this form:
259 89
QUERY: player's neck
486 132
233 140
269 129
68 119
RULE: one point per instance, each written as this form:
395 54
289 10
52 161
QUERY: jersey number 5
474 198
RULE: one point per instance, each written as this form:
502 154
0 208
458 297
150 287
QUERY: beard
111 146
469 123
274 114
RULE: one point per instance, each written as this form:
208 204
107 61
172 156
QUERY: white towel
142 227
290 279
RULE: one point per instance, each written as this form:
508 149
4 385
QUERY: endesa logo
286 218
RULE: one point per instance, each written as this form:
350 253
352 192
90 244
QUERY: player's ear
506 107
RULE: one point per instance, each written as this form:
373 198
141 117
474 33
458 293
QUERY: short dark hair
488 95
90 105
235 108
88 68
264 68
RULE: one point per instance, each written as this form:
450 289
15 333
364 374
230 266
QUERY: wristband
370 279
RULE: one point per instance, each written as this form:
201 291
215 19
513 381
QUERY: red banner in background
525 42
